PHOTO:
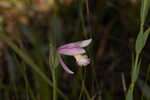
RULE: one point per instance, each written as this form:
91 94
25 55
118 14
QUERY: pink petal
64 66
77 44
71 51
69 45
85 43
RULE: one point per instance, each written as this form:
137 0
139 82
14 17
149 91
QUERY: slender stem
83 89
136 62
53 70
81 76
29 61
81 93
54 84
81 16
53 66
86 92
134 70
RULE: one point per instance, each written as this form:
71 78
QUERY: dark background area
113 26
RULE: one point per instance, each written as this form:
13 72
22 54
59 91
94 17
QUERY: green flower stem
54 84
86 91
53 65
83 89
136 62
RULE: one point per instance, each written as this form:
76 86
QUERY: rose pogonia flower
76 50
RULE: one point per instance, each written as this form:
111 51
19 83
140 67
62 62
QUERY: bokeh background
30 26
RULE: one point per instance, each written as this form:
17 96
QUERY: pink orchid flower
76 50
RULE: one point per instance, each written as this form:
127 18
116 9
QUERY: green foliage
53 63
43 25
141 40
135 72
43 87
28 60
140 43
129 95
144 10
53 59
142 36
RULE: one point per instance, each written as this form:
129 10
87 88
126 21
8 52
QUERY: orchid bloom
76 50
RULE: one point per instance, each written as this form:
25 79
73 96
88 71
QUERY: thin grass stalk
53 62
81 93
27 86
54 78
140 43
43 87
135 65
54 84
83 88
86 91
28 61
26 83
81 16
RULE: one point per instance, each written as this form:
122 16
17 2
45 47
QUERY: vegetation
31 31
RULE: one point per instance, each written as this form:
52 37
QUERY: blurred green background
27 68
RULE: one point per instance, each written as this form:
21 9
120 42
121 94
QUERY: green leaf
132 66
135 72
144 10
145 36
129 95
139 42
